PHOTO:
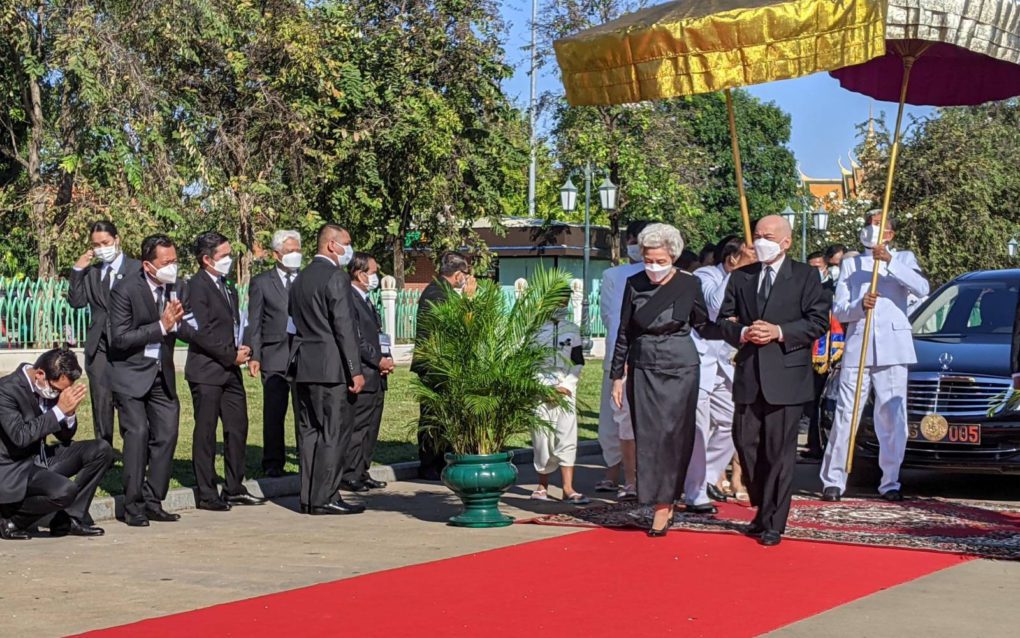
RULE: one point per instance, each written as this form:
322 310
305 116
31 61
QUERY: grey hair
281 236
662 236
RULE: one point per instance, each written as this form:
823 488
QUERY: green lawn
397 440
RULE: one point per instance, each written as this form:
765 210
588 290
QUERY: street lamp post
821 224
568 199
1011 248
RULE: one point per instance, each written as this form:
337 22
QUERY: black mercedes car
961 406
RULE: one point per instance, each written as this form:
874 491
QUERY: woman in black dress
655 352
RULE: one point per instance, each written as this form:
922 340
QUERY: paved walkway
58 586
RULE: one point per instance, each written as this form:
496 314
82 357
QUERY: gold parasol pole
735 145
908 63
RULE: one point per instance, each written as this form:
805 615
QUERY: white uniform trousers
611 419
713 440
890 383
557 447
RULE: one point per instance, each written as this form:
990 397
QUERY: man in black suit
146 319
376 363
454 277
35 478
90 286
270 343
214 375
772 312
327 369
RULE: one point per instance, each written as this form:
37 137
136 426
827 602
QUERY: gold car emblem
934 427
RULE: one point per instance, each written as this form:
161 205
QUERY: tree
58 76
434 143
956 188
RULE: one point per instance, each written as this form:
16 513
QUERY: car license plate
935 429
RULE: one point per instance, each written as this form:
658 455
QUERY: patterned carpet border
985 530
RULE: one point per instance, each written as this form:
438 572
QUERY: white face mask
657 272
291 261
223 265
106 254
347 256
766 250
834 272
46 391
373 282
634 252
167 274
869 236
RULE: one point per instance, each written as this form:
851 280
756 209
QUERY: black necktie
222 284
288 280
106 279
766 286
160 301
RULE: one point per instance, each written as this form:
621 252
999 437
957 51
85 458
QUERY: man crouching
35 478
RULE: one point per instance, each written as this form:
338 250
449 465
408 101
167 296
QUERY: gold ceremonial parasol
701 46
939 53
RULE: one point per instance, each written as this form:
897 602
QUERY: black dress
662 377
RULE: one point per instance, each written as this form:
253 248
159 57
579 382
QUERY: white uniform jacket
891 339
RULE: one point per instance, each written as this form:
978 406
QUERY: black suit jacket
86 289
435 293
266 334
369 330
23 425
134 323
781 371
212 360
325 348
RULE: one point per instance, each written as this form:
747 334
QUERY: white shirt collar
216 278
283 274
363 293
775 266
115 264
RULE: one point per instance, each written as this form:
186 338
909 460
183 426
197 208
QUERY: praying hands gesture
762 332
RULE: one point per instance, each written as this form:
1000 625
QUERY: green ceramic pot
480 480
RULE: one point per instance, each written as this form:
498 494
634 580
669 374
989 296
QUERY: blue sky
824 115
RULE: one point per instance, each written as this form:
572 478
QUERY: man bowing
772 312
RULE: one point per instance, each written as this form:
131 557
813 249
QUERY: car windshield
969 308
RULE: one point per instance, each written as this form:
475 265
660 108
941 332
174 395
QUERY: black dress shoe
715 493
136 521
214 505
831 494
11 532
160 515
374 484
770 539
245 499
336 508
704 508
75 528
659 533
754 529
893 496
353 486
304 509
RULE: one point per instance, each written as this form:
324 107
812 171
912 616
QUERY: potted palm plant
482 386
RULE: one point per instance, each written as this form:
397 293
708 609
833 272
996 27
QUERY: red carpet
619 583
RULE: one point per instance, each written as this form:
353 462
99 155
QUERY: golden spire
871 120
